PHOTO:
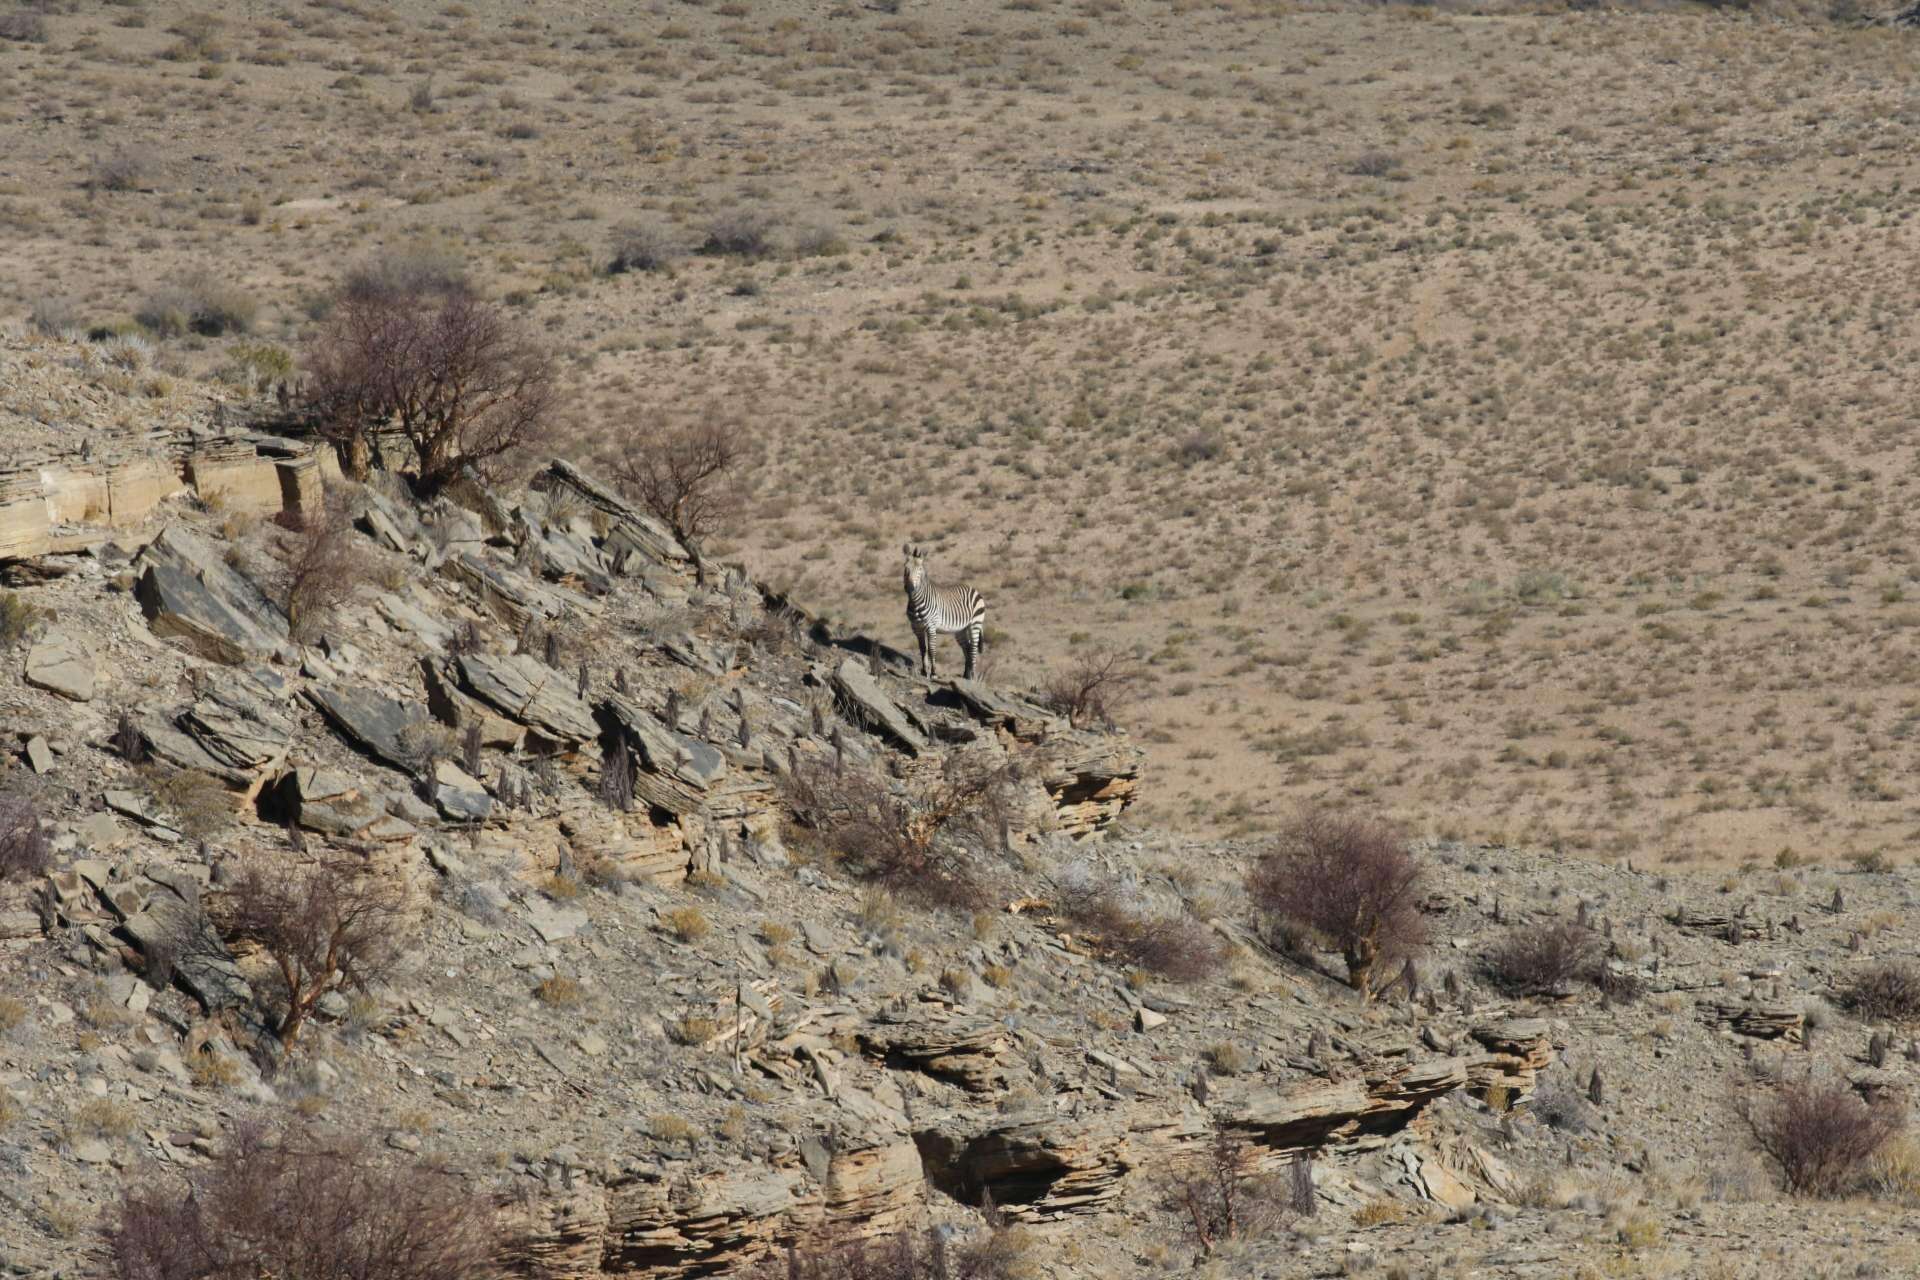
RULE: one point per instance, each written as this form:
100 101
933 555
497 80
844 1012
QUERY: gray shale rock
59 662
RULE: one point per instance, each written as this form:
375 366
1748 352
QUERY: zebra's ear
908 548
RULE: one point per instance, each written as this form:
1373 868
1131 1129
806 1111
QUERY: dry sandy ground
1498 419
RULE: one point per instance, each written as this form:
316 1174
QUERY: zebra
935 611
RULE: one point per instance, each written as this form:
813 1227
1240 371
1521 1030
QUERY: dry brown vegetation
305 1205
1347 881
1821 1136
327 926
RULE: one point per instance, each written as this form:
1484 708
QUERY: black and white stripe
936 611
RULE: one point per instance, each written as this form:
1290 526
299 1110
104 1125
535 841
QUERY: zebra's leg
933 654
970 646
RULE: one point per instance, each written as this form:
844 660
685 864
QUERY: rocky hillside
656 1006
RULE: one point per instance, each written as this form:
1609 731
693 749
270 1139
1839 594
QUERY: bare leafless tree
459 379
1095 687
931 839
1349 880
335 924
303 1204
1820 1134
685 476
1219 1195
324 566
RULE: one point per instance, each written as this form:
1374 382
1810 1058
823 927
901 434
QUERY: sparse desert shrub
460 379
1889 991
1095 687
559 991
1219 1196
24 25
1374 164
1201 446
324 564
1349 880
1172 944
1546 959
102 1118
1226 1057
256 365
198 302
1820 1135
741 233
688 924
1562 1109
118 170
687 477
302 1205
1000 1252
17 618
816 241
54 317
415 271
929 839
694 1029
200 804
1894 1171
641 246
127 351
672 1128
25 851
12 1013
330 926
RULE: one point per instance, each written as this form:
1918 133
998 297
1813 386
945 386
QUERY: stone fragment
862 695
527 690
59 662
370 721
188 590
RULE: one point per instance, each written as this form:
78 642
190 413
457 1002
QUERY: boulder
1091 777
59 662
963 1050
1025 720
187 590
370 720
1760 1019
510 594
528 690
459 796
645 534
676 771
865 701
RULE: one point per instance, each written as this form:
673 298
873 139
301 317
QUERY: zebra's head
916 573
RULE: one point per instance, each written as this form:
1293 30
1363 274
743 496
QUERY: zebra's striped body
935 611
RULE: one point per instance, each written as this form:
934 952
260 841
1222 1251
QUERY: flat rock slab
555 924
141 809
528 690
369 720
676 771
646 534
458 796
39 754
59 663
187 589
868 703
